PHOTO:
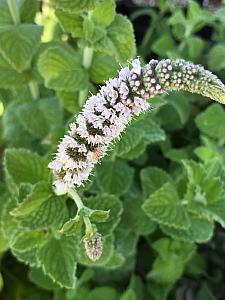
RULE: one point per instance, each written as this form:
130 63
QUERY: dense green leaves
159 192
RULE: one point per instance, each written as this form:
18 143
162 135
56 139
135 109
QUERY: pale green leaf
98 216
27 10
163 45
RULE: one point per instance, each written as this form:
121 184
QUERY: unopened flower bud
93 246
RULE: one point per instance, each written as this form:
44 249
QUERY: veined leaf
27 240
25 166
61 69
73 5
153 178
164 207
104 12
40 193
19 43
57 259
114 177
110 203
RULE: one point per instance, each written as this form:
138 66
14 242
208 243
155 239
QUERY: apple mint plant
112 175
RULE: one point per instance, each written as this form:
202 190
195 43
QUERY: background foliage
163 181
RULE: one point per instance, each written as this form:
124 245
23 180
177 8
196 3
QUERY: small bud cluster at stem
107 114
93 246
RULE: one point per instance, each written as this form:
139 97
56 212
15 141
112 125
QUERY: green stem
74 195
34 90
87 59
13 8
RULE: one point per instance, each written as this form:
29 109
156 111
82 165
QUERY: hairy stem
34 90
88 226
87 59
14 11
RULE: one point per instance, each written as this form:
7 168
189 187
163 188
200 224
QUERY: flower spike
107 114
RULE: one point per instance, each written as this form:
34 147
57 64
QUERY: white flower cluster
106 114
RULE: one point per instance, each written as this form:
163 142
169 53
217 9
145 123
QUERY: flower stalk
105 115
93 242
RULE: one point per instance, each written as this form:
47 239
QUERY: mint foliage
157 198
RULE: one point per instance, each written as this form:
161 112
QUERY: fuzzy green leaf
110 203
103 67
40 193
25 166
27 240
153 178
114 177
70 22
10 77
211 121
61 68
52 212
200 230
19 43
58 261
121 35
104 12
72 227
73 5
164 207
